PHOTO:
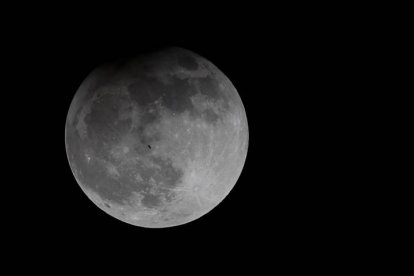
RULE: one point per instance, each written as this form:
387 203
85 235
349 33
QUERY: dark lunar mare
176 96
187 61
104 130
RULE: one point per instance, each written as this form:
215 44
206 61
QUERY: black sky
281 62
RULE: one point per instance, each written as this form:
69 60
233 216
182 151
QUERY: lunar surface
157 140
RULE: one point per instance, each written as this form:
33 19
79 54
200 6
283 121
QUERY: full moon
157 140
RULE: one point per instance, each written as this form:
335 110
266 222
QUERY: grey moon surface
157 140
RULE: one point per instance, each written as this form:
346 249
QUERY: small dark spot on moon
150 200
210 116
188 62
146 91
121 190
209 87
149 146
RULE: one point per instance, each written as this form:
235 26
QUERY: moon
157 140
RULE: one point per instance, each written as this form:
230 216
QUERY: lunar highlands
157 140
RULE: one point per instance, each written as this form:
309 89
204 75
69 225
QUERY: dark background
60 56
283 61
